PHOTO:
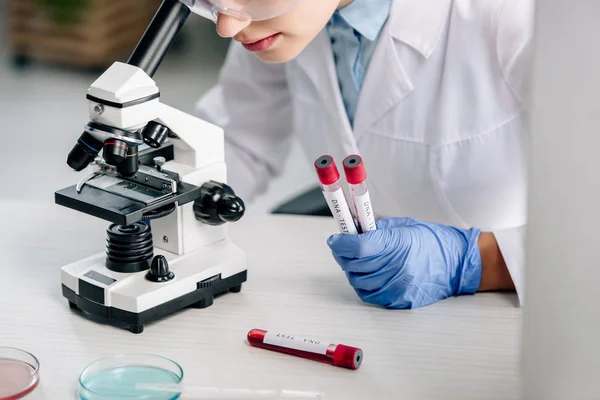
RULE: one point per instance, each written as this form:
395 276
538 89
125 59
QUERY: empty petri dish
131 377
19 373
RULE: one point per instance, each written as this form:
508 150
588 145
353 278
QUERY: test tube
337 355
356 176
334 194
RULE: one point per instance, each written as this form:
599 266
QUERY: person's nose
228 26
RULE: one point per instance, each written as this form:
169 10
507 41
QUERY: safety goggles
255 10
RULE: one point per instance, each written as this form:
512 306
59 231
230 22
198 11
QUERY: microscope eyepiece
155 134
84 152
115 151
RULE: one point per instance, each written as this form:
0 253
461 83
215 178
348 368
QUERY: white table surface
460 348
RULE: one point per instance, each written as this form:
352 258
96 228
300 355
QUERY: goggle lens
255 10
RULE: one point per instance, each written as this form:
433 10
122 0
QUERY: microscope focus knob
159 270
231 208
218 204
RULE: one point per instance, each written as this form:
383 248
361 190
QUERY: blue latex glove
407 263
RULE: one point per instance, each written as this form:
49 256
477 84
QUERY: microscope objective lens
84 152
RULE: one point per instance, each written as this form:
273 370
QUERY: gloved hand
407 263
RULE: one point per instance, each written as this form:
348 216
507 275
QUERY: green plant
64 11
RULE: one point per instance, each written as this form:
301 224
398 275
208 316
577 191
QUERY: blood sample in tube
356 176
334 194
337 355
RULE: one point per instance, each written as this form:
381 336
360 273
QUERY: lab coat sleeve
512 246
252 104
514 39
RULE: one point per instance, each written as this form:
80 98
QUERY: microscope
160 184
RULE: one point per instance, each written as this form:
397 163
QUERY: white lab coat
440 122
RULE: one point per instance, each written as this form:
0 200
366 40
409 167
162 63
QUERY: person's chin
278 54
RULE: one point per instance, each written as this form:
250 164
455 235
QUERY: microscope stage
116 208
134 300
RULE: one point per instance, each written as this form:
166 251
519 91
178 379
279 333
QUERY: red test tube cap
347 357
326 170
354 168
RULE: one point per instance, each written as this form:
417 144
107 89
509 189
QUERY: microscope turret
159 178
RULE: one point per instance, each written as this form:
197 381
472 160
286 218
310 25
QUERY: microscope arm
197 143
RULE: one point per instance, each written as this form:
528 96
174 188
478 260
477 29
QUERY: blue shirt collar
367 17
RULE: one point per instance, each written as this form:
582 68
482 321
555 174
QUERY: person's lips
261 44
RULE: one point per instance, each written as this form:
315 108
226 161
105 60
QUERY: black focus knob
115 151
159 270
155 134
231 208
218 204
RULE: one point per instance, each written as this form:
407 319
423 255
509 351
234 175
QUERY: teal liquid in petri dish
120 384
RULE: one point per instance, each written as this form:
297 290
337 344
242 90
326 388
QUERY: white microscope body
167 246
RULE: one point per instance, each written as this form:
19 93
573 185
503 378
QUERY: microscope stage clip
82 182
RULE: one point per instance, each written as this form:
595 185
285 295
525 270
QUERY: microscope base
133 301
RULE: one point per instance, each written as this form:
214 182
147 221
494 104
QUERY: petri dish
19 373
131 377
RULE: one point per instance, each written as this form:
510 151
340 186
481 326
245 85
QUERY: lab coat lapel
412 23
385 85
318 63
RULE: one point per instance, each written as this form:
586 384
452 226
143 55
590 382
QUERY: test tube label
339 208
364 211
296 342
